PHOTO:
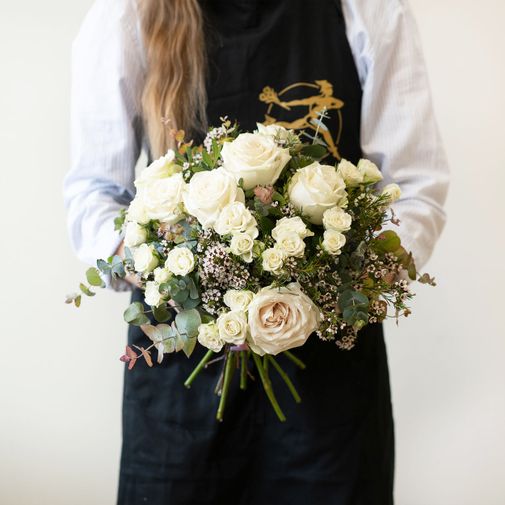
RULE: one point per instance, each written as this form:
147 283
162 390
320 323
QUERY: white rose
294 224
162 275
273 130
137 212
350 173
152 294
255 158
233 327
208 193
144 258
337 219
134 234
369 171
333 241
238 299
392 191
180 261
273 260
316 188
159 169
208 336
290 243
280 319
236 218
242 245
162 198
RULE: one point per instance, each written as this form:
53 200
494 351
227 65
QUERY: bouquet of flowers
255 244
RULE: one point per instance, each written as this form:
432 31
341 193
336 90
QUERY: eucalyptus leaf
188 322
134 314
85 289
314 151
93 277
189 346
387 241
162 313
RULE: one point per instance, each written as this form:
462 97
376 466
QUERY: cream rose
208 336
238 299
208 193
350 173
255 158
233 327
144 258
273 130
180 261
333 241
337 219
161 168
152 295
134 234
242 245
162 198
392 191
290 243
273 260
316 188
369 171
294 224
137 212
280 319
162 275
236 218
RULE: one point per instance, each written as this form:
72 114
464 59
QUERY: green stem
268 387
286 379
298 362
228 374
198 369
243 369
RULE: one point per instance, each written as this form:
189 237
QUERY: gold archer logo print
314 104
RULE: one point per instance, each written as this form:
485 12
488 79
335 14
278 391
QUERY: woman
138 72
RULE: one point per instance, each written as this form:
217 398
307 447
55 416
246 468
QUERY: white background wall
60 379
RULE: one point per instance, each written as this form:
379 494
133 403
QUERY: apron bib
270 61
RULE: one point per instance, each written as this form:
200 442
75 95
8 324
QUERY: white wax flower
316 188
144 258
235 218
242 244
238 299
152 294
333 241
273 260
294 224
233 327
208 336
134 234
209 192
180 261
255 158
280 319
337 219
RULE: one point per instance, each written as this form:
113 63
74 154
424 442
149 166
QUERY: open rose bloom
251 244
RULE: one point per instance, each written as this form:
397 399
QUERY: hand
132 279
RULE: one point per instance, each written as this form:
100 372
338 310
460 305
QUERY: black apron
270 61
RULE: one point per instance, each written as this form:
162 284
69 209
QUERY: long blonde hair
174 96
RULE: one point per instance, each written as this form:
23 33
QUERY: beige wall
60 380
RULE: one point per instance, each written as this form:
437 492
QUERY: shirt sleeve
398 127
106 126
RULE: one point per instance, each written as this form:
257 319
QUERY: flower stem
298 362
228 374
198 369
286 379
243 369
268 387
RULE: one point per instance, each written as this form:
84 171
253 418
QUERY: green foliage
119 220
135 315
85 289
93 277
387 241
316 151
162 313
